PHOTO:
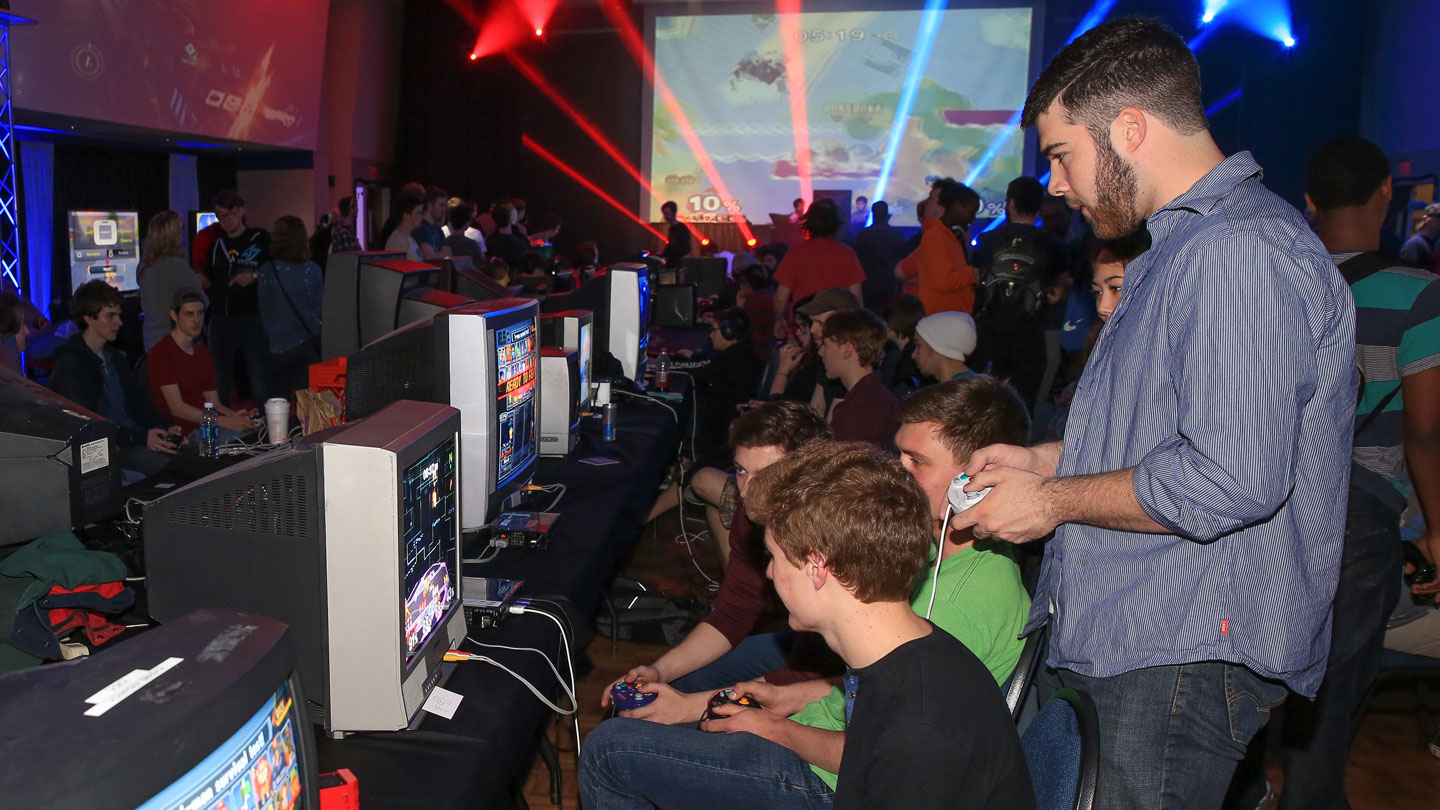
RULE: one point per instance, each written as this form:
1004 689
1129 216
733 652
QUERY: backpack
1012 287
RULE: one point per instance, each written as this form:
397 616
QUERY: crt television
351 537
619 295
572 329
482 358
560 400
105 245
201 713
59 463
341 306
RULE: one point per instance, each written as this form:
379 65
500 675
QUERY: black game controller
174 438
726 697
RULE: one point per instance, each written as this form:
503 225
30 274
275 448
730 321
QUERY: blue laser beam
920 57
1230 98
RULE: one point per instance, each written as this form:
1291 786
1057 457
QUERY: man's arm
1421 393
782 300
703 646
177 407
1025 506
816 746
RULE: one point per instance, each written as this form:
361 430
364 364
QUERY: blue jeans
627 763
243 335
1170 736
748 660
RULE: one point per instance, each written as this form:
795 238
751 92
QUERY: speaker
675 305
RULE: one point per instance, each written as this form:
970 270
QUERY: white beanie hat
951 334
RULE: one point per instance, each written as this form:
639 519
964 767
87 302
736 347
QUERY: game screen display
429 521
515 366
256 769
234 71
728 73
105 245
204 219
586 336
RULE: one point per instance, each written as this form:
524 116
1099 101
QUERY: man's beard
1113 215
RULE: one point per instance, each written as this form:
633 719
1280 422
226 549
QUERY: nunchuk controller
724 697
628 696
960 500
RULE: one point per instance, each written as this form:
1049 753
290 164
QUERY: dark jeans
243 336
750 659
1170 736
1316 734
290 370
627 763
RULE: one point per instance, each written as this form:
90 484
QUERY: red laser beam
537 13
550 158
549 90
789 12
619 17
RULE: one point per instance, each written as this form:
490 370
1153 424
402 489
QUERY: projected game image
729 74
256 769
105 245
515 361
430 512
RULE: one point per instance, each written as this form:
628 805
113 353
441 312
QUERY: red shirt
868 413
818 264
168 364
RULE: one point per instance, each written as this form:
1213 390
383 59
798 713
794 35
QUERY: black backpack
1012 287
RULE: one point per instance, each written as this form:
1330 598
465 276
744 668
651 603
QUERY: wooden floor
1390 768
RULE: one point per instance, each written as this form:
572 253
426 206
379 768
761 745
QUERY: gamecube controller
727 697
628 695
960 500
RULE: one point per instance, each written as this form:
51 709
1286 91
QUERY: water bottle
662 372
209 432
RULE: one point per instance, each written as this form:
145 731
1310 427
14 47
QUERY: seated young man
979 600
720 650
852 345
91 371
898 370
942 342
182 374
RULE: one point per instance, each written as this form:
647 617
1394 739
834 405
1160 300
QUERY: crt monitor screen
430 505
204 219
105 245
516 353
587 337
256 767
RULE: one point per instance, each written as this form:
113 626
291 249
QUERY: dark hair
408 201
460 217
1026 194
969 414
497 268
90 298
755 277
734 320
1125 248
851 504
288 241
228 198
902 312
1131 62
1344 172
545 222
954 192
783 423
345 205
503 215
531 261
433 193
669 204
776 249
823 218
797 201
881 212
862 198
860 328
585 254
187 294
11 313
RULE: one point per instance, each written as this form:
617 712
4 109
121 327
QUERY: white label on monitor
94 455
127 685
443 702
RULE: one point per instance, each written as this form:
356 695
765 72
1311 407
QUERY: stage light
619 16
751 242
704 242
1092 18
1287 40
539 32
789 13
550 158
474 56
924 42
1212 9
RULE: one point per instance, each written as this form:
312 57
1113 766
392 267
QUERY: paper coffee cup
277 419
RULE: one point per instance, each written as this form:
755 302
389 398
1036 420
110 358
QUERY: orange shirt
946 279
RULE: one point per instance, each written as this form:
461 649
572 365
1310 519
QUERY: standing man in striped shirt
1200 489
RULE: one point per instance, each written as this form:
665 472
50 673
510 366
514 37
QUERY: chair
1062 751
1024 675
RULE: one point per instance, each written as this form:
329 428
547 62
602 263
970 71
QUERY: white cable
939 553
517 676
569 692
569 664
490 554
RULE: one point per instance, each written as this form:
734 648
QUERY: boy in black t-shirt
848 530
233 266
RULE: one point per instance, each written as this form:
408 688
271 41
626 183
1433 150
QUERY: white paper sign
94 455
443 702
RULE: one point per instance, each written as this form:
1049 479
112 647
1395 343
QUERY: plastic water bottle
662 372
209 432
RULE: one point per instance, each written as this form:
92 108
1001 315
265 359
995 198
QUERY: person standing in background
162 272
234 258
291 290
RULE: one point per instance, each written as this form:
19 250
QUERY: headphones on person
733 324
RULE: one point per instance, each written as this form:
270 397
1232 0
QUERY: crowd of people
1197 416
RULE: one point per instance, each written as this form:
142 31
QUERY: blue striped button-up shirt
1226 378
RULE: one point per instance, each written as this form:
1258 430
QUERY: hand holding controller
727 697
960 500
627 696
